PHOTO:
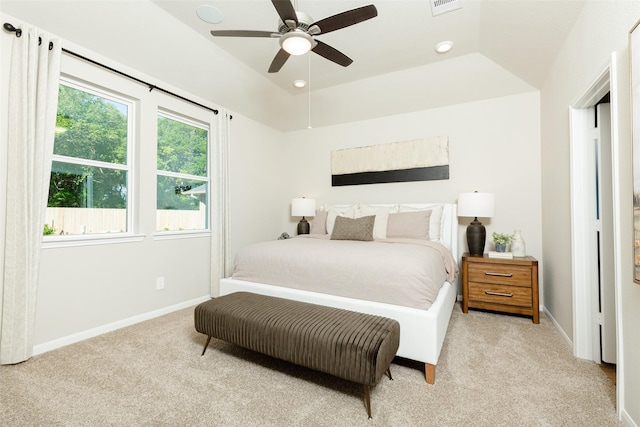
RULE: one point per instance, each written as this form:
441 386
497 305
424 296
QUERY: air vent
438 7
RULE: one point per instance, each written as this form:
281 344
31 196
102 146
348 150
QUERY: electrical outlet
159 283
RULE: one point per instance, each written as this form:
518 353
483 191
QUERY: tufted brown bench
353 346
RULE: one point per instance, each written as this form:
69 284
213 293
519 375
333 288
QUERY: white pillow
393 208
382 216
340 208
436 220
348 211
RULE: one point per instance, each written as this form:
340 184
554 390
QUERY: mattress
405 272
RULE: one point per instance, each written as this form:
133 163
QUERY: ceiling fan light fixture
299 84
296 43
444 47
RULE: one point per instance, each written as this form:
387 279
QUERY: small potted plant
501 240
48 230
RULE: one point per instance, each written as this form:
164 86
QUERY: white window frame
186 119
145 104
97 238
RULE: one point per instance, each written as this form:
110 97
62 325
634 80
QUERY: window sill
89 240
185 234
52 242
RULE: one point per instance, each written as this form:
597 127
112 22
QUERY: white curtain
220 208
33 99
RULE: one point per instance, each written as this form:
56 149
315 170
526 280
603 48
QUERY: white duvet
403 272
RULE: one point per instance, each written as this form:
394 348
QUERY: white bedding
422 331
403 272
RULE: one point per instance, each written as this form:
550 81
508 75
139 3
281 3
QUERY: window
90 174
182 175
128 162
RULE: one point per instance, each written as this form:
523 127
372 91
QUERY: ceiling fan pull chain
309 100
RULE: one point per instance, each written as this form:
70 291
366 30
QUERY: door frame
586 329
586 334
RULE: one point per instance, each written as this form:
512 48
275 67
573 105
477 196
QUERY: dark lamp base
476 237
303 226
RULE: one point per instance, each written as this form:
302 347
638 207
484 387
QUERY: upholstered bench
353 346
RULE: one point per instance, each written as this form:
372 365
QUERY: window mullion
88 162
183 176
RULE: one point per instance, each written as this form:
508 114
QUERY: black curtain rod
10 28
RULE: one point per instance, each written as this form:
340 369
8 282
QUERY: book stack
504 255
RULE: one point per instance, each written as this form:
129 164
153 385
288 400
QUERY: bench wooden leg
205 345
367 399
430 373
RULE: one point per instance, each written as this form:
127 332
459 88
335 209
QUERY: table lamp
476 205
303 207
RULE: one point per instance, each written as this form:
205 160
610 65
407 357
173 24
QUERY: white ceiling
521 36
502 48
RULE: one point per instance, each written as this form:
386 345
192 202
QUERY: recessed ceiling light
209 14
299 83
444 47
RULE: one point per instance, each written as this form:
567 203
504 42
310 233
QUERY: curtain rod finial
10 28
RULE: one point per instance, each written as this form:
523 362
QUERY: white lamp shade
303 207
476 205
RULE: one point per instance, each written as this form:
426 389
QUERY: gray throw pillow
411 225
353 229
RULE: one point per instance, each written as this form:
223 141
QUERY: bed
300 269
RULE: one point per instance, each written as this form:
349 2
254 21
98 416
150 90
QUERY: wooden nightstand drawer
514 275
502 285
500 294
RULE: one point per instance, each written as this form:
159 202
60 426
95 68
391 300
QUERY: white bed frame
422 332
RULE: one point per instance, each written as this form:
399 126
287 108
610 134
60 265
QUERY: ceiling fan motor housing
304 22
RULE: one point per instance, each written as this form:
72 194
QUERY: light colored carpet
493 370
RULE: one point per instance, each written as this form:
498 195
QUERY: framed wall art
634 61
418 160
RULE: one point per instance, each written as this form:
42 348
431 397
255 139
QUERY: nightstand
504 285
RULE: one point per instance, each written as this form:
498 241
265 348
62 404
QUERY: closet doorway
594 212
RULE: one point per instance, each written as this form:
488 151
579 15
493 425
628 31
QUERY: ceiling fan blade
278 61
332 54
286 11
346 19
244 33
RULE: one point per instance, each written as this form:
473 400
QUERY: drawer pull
489 273
498 294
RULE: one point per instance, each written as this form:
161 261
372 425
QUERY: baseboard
558 327
90 333
627 420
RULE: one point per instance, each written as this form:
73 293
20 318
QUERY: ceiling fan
297 31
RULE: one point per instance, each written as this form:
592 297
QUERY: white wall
259 201
494 146
89 288
601 30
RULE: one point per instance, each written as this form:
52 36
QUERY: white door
604 215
